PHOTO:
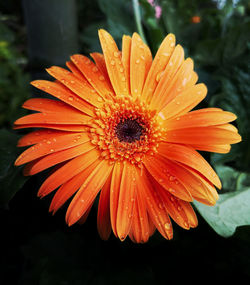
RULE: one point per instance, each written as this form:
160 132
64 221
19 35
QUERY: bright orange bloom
196 19
123 127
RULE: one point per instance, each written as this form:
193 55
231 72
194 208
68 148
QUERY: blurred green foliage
14 80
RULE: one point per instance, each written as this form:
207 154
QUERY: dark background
38 248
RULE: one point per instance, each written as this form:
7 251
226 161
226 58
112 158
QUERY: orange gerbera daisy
122 126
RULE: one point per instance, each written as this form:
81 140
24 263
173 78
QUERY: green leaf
232 208
89 37
11 178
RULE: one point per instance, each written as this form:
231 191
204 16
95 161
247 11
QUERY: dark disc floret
129 130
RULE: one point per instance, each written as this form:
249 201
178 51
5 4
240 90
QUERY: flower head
123 129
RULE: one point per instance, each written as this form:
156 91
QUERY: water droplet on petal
166 54
160 206
137 61
88 61
167 226
171 178
112 62
159 76
116 54
71 98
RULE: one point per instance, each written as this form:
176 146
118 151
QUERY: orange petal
222 148
67 171
140 228
70 187
114 194
49 106
184 101
160 169
196 185
126 201
114 64
156 212
73 68
140 62
183 79
190 157
101 65
88 192
103 215
202 136
159 64
53 118
79 87
84 217
199 119
68 127
180 211
93 75
228 127
126 51
55 158
173 86
64 94
38 136
51 145
202 190
169 72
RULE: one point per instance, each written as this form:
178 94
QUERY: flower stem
138 20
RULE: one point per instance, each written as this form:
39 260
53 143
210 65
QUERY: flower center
129 130
124 129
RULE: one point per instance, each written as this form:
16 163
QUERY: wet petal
114 63
88 192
